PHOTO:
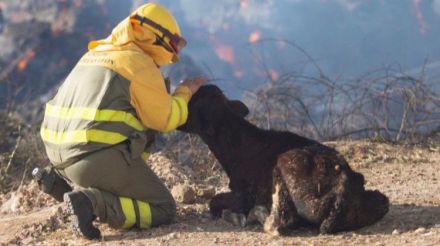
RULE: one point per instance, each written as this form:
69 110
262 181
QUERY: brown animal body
280 178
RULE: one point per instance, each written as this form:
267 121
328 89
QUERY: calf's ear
239 108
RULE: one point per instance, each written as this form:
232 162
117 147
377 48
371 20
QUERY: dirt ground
408 175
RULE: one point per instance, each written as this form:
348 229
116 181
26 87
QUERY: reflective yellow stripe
183 109
94 114
145 156
173 122
145 214
81 136
129 213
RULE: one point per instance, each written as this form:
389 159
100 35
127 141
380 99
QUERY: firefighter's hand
194 83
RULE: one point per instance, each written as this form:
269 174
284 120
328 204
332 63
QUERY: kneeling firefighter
97 127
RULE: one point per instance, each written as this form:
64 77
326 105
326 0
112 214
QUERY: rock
168 170
183 193
27 241
276 243
206 215
395 232
420 230
347 235
172 235
206 192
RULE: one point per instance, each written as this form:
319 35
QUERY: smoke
209 14
260 13
243 42
350 5
213 15
436 6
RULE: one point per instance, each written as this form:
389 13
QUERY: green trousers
123 190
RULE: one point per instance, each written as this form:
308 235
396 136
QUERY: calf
280 178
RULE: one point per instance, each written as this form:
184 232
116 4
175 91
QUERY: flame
58 27
56 30
244 3
224 51
78 4
419 16
23 62
254 37
274 76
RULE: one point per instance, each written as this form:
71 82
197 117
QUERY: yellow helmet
161 22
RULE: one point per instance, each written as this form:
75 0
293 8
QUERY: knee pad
51 183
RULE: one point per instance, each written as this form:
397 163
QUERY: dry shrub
20 150
385 104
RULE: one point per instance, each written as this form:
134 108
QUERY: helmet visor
177 43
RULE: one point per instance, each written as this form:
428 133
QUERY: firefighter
98 125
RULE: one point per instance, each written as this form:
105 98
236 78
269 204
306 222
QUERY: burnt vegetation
386 104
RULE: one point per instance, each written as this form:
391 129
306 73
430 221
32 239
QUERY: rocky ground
408 175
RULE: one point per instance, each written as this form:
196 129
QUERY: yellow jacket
115 93
130 47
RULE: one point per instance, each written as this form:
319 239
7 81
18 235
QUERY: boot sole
74 222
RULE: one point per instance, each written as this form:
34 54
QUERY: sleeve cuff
184 92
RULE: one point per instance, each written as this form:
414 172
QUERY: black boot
81 214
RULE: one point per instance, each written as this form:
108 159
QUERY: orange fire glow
225 53
244 3
419 16
273 75
78 3
254 37
58 27
23 62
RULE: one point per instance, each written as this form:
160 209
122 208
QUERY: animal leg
237 219
229 206
272 222
258 214
283 214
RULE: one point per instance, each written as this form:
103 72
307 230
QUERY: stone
206 192
420 230
184 193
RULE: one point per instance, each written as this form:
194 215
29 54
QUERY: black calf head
210 105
